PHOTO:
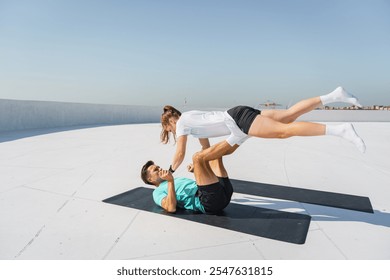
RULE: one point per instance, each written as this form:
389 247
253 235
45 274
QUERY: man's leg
218 168
211 175
203 173
208 163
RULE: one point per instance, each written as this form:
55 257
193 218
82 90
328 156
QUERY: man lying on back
210 193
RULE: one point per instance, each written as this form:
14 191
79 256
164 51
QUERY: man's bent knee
198 157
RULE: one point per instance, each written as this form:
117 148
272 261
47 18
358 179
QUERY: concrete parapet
21 115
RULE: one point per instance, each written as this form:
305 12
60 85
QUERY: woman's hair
168 113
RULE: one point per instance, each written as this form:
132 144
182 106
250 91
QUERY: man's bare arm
169 202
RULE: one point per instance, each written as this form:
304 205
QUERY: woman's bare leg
265 127
268 128
291 114
307 105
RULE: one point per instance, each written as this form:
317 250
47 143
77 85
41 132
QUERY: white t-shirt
202 124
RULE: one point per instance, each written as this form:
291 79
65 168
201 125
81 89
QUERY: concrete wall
21 115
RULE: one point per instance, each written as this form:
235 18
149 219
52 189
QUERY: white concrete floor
53 183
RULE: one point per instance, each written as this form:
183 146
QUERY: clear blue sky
216 53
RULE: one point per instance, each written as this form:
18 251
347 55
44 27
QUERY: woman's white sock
346 131
339 95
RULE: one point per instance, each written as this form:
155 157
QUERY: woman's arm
180 152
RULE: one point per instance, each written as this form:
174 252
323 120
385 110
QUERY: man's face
153 173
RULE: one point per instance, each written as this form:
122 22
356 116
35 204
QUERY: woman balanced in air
241 122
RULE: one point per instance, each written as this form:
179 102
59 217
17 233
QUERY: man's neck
159 183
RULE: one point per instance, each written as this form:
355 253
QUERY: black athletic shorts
216 197
244 116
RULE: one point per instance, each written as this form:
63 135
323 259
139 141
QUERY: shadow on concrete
318 212
324 198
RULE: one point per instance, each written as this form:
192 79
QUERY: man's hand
165 175
168 202
190 168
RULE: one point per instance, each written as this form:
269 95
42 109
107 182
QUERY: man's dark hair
144 172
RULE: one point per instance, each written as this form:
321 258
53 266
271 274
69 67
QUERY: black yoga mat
273 224
338 200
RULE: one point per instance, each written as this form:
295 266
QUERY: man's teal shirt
185 194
